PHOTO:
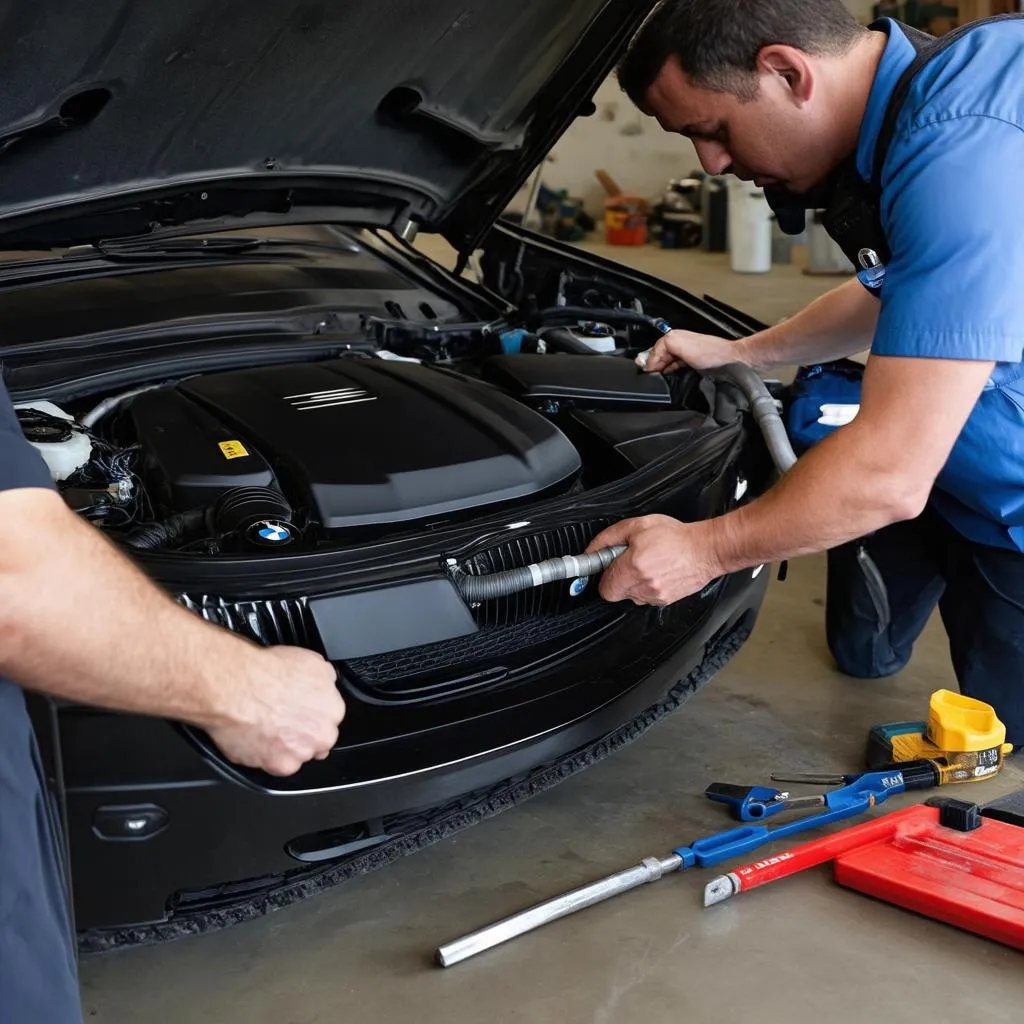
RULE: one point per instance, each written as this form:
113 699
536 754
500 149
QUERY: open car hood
121 116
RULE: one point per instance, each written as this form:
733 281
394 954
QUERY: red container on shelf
625 220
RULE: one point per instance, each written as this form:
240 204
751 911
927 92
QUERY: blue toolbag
822 398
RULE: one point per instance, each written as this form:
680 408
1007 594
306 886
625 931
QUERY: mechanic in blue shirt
79 622
930 473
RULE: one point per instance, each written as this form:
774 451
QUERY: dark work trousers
980 593
38 974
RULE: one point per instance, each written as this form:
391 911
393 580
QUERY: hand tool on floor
799 858
752 803
862 793
945 859
963 736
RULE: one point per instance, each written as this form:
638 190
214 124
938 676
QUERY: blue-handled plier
753 803
857 796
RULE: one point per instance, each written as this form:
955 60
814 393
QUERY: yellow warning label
233 449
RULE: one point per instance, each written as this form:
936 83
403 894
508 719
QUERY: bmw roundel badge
273 533
578 585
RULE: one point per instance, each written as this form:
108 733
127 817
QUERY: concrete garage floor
800 950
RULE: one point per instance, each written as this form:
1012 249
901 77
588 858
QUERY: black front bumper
213 839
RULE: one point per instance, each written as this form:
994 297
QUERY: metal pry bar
649 870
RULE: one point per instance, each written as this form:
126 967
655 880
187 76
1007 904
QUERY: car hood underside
124 116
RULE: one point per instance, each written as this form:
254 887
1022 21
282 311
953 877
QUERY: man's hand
285 711
666 560
679 349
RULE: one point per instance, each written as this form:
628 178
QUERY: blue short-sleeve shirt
953 213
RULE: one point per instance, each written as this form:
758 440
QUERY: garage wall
860 9
632 148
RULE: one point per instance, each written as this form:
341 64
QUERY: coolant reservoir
64 449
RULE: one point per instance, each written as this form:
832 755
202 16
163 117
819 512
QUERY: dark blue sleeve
20 464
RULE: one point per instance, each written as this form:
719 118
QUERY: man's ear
792 66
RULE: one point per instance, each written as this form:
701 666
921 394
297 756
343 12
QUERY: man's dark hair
717 41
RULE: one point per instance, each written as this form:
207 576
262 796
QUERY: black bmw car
239 368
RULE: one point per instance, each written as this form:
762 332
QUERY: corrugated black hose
511 581
166 533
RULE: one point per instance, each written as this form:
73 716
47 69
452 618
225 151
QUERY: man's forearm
839 323
121 643
842 489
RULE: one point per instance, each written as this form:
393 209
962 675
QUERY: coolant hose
765 411
762 405
511 581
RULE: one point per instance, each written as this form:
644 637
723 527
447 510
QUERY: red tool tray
973 880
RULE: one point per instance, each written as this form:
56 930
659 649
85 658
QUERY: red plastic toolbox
973 880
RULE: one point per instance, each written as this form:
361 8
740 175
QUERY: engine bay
419 426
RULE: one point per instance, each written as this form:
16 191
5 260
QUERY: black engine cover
191 456
364 441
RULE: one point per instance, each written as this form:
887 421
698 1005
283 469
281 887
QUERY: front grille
550 599
491 646
514 631
276 621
